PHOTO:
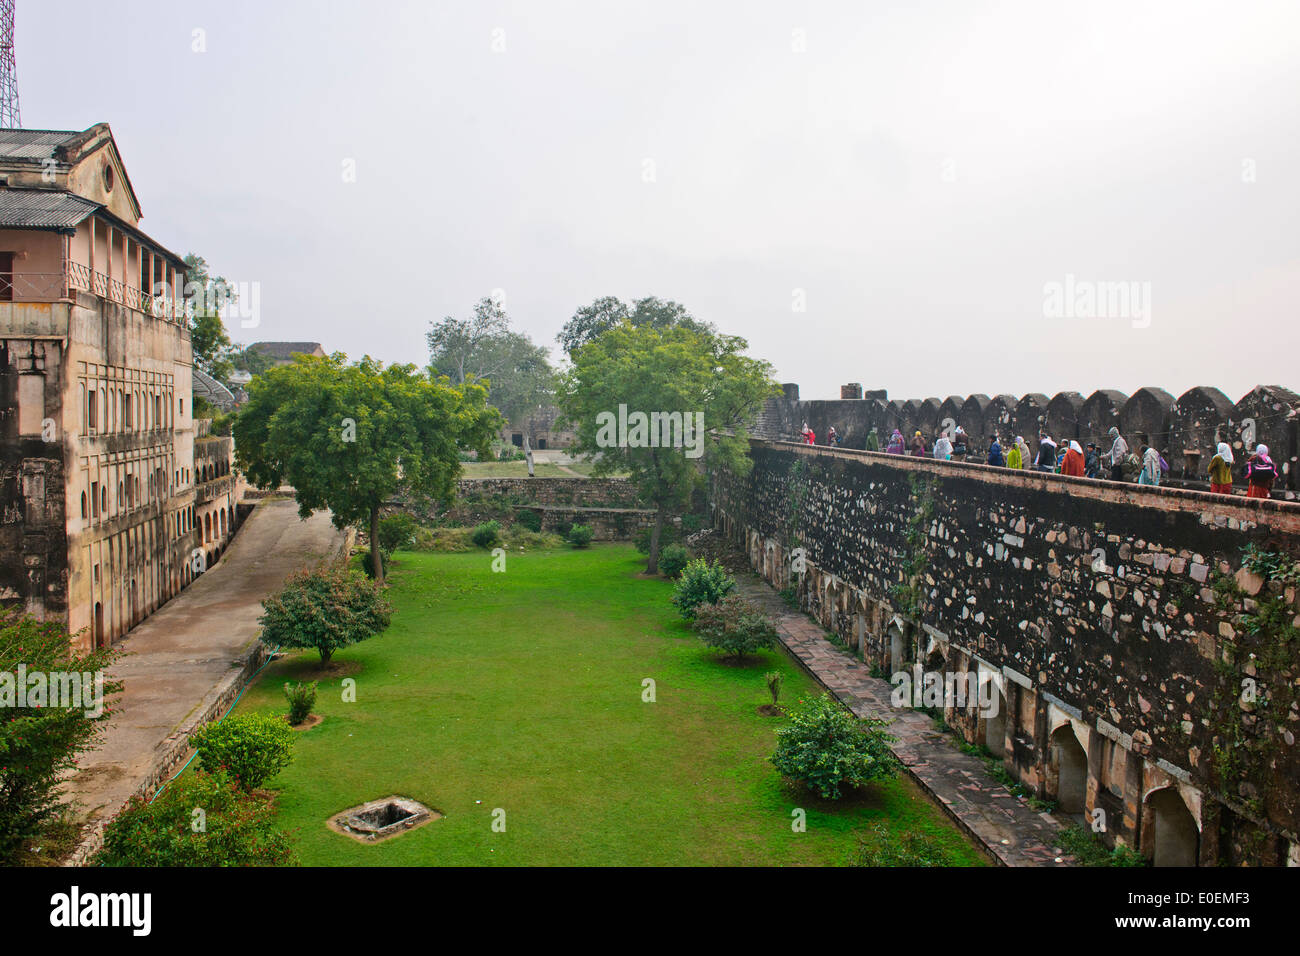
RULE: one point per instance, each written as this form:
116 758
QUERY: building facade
110 501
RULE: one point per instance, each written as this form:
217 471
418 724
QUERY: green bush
827 748
234 829
1088 850
529 519
580 535
39 744
672 560
302 698
734 626
252 748
325 609
486 535
701 582
881 847
520 539
396 532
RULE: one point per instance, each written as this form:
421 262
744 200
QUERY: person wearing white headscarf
1072 463
1221 470
1260 474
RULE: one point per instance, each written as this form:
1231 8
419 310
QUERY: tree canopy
608 312
674 375
350 437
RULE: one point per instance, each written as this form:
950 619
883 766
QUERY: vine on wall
910 592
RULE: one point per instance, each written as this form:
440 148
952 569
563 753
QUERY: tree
734 626
484 348
208 338
607 312
42 727
701 377
351 437
324 609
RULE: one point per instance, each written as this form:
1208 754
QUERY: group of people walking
1118 463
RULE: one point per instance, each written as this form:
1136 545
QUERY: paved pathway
1003 823
178 655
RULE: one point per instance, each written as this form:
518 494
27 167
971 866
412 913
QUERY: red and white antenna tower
9 118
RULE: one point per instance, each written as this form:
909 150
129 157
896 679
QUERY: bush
325 609
1088 850
236 828
528 519
672 559
486 535
774 680
302 698
252 748
734 626
826 748
443 539
701 582
396 531
39 743
580 535
903 848
520 539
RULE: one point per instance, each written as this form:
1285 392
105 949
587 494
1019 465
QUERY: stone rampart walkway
1003 823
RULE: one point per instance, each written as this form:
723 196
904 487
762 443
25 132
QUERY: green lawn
523 691
510 469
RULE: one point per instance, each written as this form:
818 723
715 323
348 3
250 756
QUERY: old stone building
110 502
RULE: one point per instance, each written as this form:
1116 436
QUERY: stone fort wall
1185 429
1110 619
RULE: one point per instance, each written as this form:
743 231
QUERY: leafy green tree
700 376
208 338
607 312
325 609
41 739
238 828
484 348
734 626
350 437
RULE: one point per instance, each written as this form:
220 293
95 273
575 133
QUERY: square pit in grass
381 819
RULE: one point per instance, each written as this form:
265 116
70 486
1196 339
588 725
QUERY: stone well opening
382 819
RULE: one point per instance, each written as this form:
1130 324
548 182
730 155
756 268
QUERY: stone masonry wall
1100 611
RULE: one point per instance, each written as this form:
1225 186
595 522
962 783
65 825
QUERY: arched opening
995 724
207 527
99 624
1170 836
897 649
1070 762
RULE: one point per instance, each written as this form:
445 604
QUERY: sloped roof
33 144
286 350
42 209
210 389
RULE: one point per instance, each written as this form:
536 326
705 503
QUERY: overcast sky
913 175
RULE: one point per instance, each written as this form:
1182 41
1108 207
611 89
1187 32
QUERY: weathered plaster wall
1090 605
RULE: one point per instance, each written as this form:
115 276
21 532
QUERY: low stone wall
575 492
1101 613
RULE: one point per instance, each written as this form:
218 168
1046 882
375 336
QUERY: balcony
60 286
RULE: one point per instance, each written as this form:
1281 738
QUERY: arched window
83 506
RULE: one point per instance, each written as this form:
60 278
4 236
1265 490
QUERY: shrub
237 828
528 519
734 626
252 748
443 539
1088 850
517 539
827 748
486 535
672 559
701 582
580 535
774 680
40 743
325 608
302 698
396 531
902 848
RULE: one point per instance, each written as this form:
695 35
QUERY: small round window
108 177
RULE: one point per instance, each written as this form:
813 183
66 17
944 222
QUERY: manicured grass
523 691
510 469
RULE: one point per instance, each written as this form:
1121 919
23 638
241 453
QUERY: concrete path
176 657
986 810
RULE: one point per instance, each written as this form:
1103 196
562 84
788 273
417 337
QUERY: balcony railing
81 277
